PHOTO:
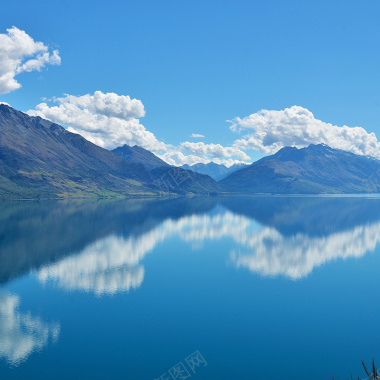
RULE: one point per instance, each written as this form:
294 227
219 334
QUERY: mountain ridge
40 159
214 170
137 154
165 177
316 169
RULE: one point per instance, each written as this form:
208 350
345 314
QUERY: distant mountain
182 181
40 159
165 177
312 170
215 171
139 155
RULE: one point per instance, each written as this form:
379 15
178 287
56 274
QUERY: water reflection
271 254
36 234
107 247
99 246
22 333
113 264
108 266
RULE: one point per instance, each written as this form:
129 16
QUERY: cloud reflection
272 254
108 266
113 264
22 333
266 251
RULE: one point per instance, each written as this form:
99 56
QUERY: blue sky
194 65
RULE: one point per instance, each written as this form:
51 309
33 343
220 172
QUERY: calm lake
198 288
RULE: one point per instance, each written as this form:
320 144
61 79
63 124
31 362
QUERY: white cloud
39 62
228 162
196 135
111 120
19 53
214 150
22 333
268 131
109 104
177 158
108 120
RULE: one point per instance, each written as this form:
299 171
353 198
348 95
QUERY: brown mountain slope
40 158
311 170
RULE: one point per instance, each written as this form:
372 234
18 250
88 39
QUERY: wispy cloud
20 53
196 136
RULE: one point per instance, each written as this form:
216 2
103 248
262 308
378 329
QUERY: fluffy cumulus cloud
177 158
111 120
268 131
214 150
20 53
110 104
174 156
108 120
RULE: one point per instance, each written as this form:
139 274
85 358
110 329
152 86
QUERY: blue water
199 288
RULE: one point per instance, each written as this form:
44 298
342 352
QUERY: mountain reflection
100 246
112 264
36 234
22 333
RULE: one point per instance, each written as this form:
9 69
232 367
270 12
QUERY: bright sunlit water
199 288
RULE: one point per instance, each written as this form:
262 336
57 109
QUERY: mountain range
168 178
215 171
40 159
138 155
312 170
